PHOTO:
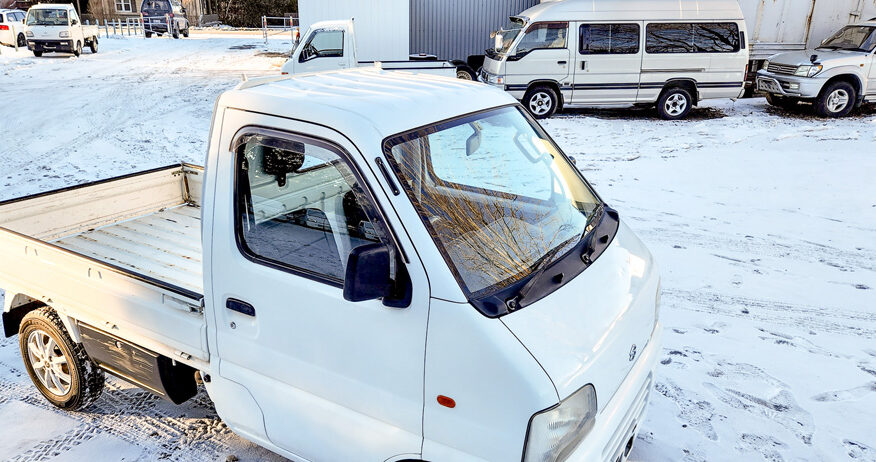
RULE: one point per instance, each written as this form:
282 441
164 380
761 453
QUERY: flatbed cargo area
164 245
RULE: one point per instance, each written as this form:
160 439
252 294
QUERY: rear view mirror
281 161
75 22
498 40
368 273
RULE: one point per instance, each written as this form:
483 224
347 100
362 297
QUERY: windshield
853 38
509 33
47 17
496 195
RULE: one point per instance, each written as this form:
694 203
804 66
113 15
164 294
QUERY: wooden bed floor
164 245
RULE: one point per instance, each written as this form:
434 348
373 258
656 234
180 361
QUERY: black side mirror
368 273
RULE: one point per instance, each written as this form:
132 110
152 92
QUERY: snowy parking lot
763 222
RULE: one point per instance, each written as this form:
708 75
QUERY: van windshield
852 38
495 193
47 17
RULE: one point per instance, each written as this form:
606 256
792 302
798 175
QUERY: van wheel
60 369
674 104
837 100
541 101
22 41
93 45
77 51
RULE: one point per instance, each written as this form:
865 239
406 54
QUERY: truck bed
164 245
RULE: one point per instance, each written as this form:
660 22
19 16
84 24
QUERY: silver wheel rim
49 363
838 100
675 105
463 75
540 103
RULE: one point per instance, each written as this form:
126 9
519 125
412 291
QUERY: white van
672 53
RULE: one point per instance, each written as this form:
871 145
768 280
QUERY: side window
324 44
716 38
603 39
693 38
544 35
298 205
669 38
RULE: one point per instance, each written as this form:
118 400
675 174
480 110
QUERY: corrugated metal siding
456 29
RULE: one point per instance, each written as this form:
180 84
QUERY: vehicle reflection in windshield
496 195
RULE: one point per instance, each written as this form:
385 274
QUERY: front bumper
789 85
65 46
617 424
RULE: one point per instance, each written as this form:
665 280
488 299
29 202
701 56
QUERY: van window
692 38
604 39
544 35
299 206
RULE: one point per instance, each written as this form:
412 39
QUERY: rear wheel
148 34
22 41
60 369
837 100
185 32
541 101
93 45
674 104
175 32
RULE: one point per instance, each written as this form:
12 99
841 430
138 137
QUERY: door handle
240 307
562 62
583 65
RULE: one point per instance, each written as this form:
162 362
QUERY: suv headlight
64 34
766 64
554 433
809 71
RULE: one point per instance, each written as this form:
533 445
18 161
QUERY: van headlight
555 433
64 34
809 71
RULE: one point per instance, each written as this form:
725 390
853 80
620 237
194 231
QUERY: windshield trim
491 301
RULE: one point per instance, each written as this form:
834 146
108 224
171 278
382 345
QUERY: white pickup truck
57 28
331 45
372 266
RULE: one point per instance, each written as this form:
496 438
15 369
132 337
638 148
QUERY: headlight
554 433
29 34
809 71
766 64
64 34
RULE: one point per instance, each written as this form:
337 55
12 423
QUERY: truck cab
836 77
57 28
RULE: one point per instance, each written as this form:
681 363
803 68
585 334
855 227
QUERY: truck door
608 63
542 55
328 375
322 50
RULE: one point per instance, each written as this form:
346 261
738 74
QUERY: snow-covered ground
764 223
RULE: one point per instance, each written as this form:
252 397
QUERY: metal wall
456 29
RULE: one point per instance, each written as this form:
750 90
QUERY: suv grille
782 69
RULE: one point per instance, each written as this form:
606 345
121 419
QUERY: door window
604 39
324 44
544 35
299 206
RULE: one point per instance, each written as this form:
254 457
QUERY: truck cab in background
57 28
836 77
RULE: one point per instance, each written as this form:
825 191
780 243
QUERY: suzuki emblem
633 352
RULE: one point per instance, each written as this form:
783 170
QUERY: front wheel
674 104
77 51
22 41
464 74
60 369
37 53
93 45
837 100
541 101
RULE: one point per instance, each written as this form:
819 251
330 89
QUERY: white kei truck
57 28
372 265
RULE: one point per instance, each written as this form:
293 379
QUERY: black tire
175 32
37 53
148 34
86 380
541 101
22 41
186 32
464 73
93 45
674 103
77 50
836 100
781 101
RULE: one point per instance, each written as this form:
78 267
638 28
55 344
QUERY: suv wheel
60 369
837 100
541 101
185 32
781 101
22 41
674 104
175 32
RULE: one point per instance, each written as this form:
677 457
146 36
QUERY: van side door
608 62
327 378
542 55
322 50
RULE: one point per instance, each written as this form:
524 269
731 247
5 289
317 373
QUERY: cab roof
365 101
633 10
53 6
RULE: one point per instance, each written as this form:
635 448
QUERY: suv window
161 5
299 205
324 44
544 35
692 38
603 39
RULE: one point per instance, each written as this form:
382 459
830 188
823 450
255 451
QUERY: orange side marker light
446 401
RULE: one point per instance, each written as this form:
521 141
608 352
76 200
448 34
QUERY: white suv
12 28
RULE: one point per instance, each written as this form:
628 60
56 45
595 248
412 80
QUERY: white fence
275 25
129 27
